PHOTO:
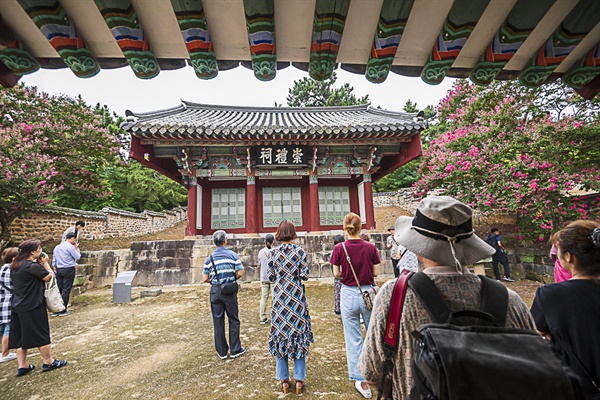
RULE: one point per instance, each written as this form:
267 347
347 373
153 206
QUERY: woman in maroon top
365 259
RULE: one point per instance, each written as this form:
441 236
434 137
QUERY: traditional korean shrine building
248 168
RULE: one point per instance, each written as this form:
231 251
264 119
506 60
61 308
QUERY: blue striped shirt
227 263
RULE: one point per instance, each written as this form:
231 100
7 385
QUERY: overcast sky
120 90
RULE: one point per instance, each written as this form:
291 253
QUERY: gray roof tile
214 122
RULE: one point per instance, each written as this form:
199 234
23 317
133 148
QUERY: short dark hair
494 230
338 239
71 235
269 239
286 231
80 223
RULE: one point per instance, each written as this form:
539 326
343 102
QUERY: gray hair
219 237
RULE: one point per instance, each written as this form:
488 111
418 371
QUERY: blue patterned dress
291 330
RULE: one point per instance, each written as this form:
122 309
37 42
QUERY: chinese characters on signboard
282 155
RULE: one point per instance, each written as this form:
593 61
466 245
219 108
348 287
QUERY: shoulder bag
369 294
226 288
54 301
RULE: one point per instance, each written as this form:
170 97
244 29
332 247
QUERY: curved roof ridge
157 113
192 105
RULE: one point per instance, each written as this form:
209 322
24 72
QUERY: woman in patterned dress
291 330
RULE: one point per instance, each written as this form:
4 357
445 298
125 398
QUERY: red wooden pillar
191 207
369 210
314 218
251 210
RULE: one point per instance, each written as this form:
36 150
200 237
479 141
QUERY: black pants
220 305
502 259
395 266
64 279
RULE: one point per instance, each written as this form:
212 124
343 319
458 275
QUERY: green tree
51 147
406 175
505 149
132 185
308 92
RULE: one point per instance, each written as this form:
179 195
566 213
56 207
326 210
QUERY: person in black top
568 312
29 324
495 240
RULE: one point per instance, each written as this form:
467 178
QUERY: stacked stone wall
48 223
180 262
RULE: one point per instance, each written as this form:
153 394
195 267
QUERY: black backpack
492 240
485 360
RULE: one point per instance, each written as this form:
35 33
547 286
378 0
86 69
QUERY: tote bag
54 301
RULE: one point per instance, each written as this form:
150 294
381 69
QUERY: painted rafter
54 23
522 20
328 27
580 21
459 25
585 70
194 30
124 24
14 56
260 22
390 28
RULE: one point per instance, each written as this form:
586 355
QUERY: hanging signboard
281 155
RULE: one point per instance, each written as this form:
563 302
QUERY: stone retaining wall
48 223
180 262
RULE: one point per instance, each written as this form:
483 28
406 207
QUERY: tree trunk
6 221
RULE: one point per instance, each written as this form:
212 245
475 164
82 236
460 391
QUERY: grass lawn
162 348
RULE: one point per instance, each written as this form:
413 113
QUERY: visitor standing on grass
442 236
266 286
568 313
291 330
29 318
64 260
6 290
365 259
337 282
495 240
394 252
222 267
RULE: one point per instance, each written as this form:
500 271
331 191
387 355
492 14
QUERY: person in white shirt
64 259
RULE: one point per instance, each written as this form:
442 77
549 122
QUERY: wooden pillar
251 210
369 210
314 218
191 207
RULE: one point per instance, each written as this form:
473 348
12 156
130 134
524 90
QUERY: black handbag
226 288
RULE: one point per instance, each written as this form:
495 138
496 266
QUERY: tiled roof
200 121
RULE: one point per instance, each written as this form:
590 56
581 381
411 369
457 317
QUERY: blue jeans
282 372
352 307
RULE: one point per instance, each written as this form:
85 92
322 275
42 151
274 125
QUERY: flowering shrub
50 147
502 151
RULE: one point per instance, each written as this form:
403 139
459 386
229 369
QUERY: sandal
55 364
299 387
285 385
25 371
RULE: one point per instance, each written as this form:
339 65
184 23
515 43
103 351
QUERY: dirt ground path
162 348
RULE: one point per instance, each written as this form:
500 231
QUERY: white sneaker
10 356
366 393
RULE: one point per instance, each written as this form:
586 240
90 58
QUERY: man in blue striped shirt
64 259
228 268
